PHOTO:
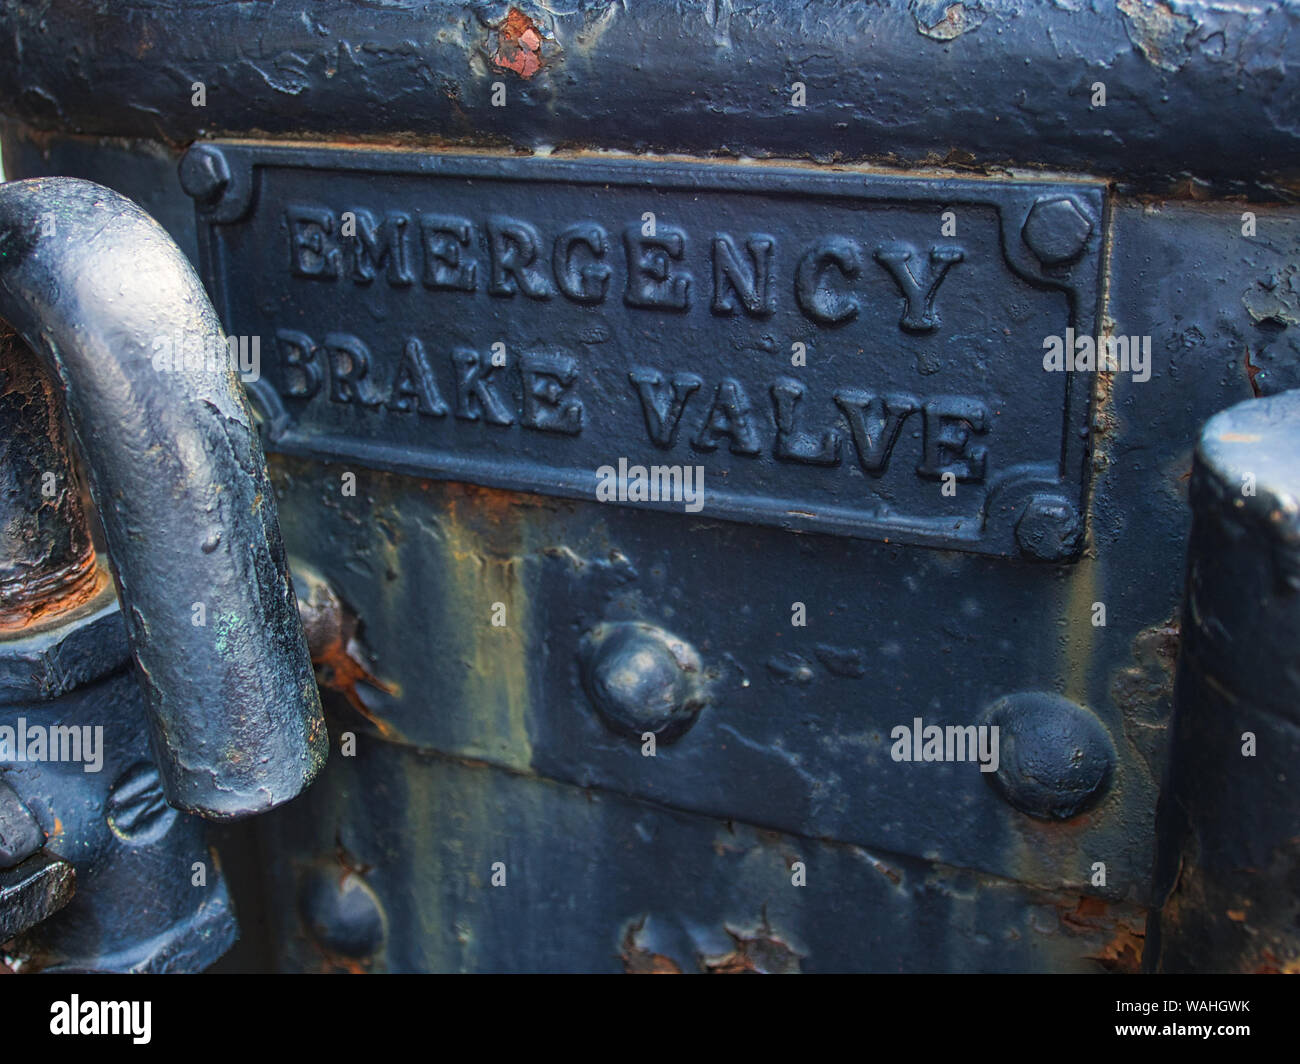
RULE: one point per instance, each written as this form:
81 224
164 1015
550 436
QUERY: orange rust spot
761 953
42 609
492 504
519 45
1122 950
338 670
637 960
1237 915
1253 371
1270 965
1086 914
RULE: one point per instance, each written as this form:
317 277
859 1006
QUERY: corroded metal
99 808
913 83
470 745
95 287
47 559
31 892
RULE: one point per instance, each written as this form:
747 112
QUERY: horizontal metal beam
1191 88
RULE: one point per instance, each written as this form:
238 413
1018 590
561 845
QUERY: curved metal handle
96 287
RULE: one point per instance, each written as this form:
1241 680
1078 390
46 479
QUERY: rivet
342 913
642 678
1055 758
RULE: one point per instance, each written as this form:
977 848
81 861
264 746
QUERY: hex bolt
1055 758
1057 230
204 174
20 835
1049 529
641 679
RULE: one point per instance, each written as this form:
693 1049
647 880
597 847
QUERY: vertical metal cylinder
1228 862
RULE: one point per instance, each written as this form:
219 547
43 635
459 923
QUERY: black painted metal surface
1230 824
1192 87
493 807
149 893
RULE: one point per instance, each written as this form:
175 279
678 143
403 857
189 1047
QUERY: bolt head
1049 529
1057 230
204 174
641 678
1055 758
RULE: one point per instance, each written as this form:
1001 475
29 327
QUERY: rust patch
1253 371
639 960
1157 31
335 650
1144 692
519 45
1121 950
759 953
339 669
52 598
945 22
1270 965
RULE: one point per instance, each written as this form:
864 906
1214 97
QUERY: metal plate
821 347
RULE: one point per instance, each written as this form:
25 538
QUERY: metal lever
93 285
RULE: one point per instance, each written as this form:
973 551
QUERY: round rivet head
1055 758
1057 230
642 679
341 912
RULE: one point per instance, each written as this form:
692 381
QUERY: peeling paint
519 45
942 21
1157 32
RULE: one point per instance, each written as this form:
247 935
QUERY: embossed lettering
792 442
663 413
733 278
548 405
414 387
475 393
349 365
443 238
588 283
651 280
298 355
822 304
874 421
950 421
919 314
730 416
380 244
312 251
514 245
